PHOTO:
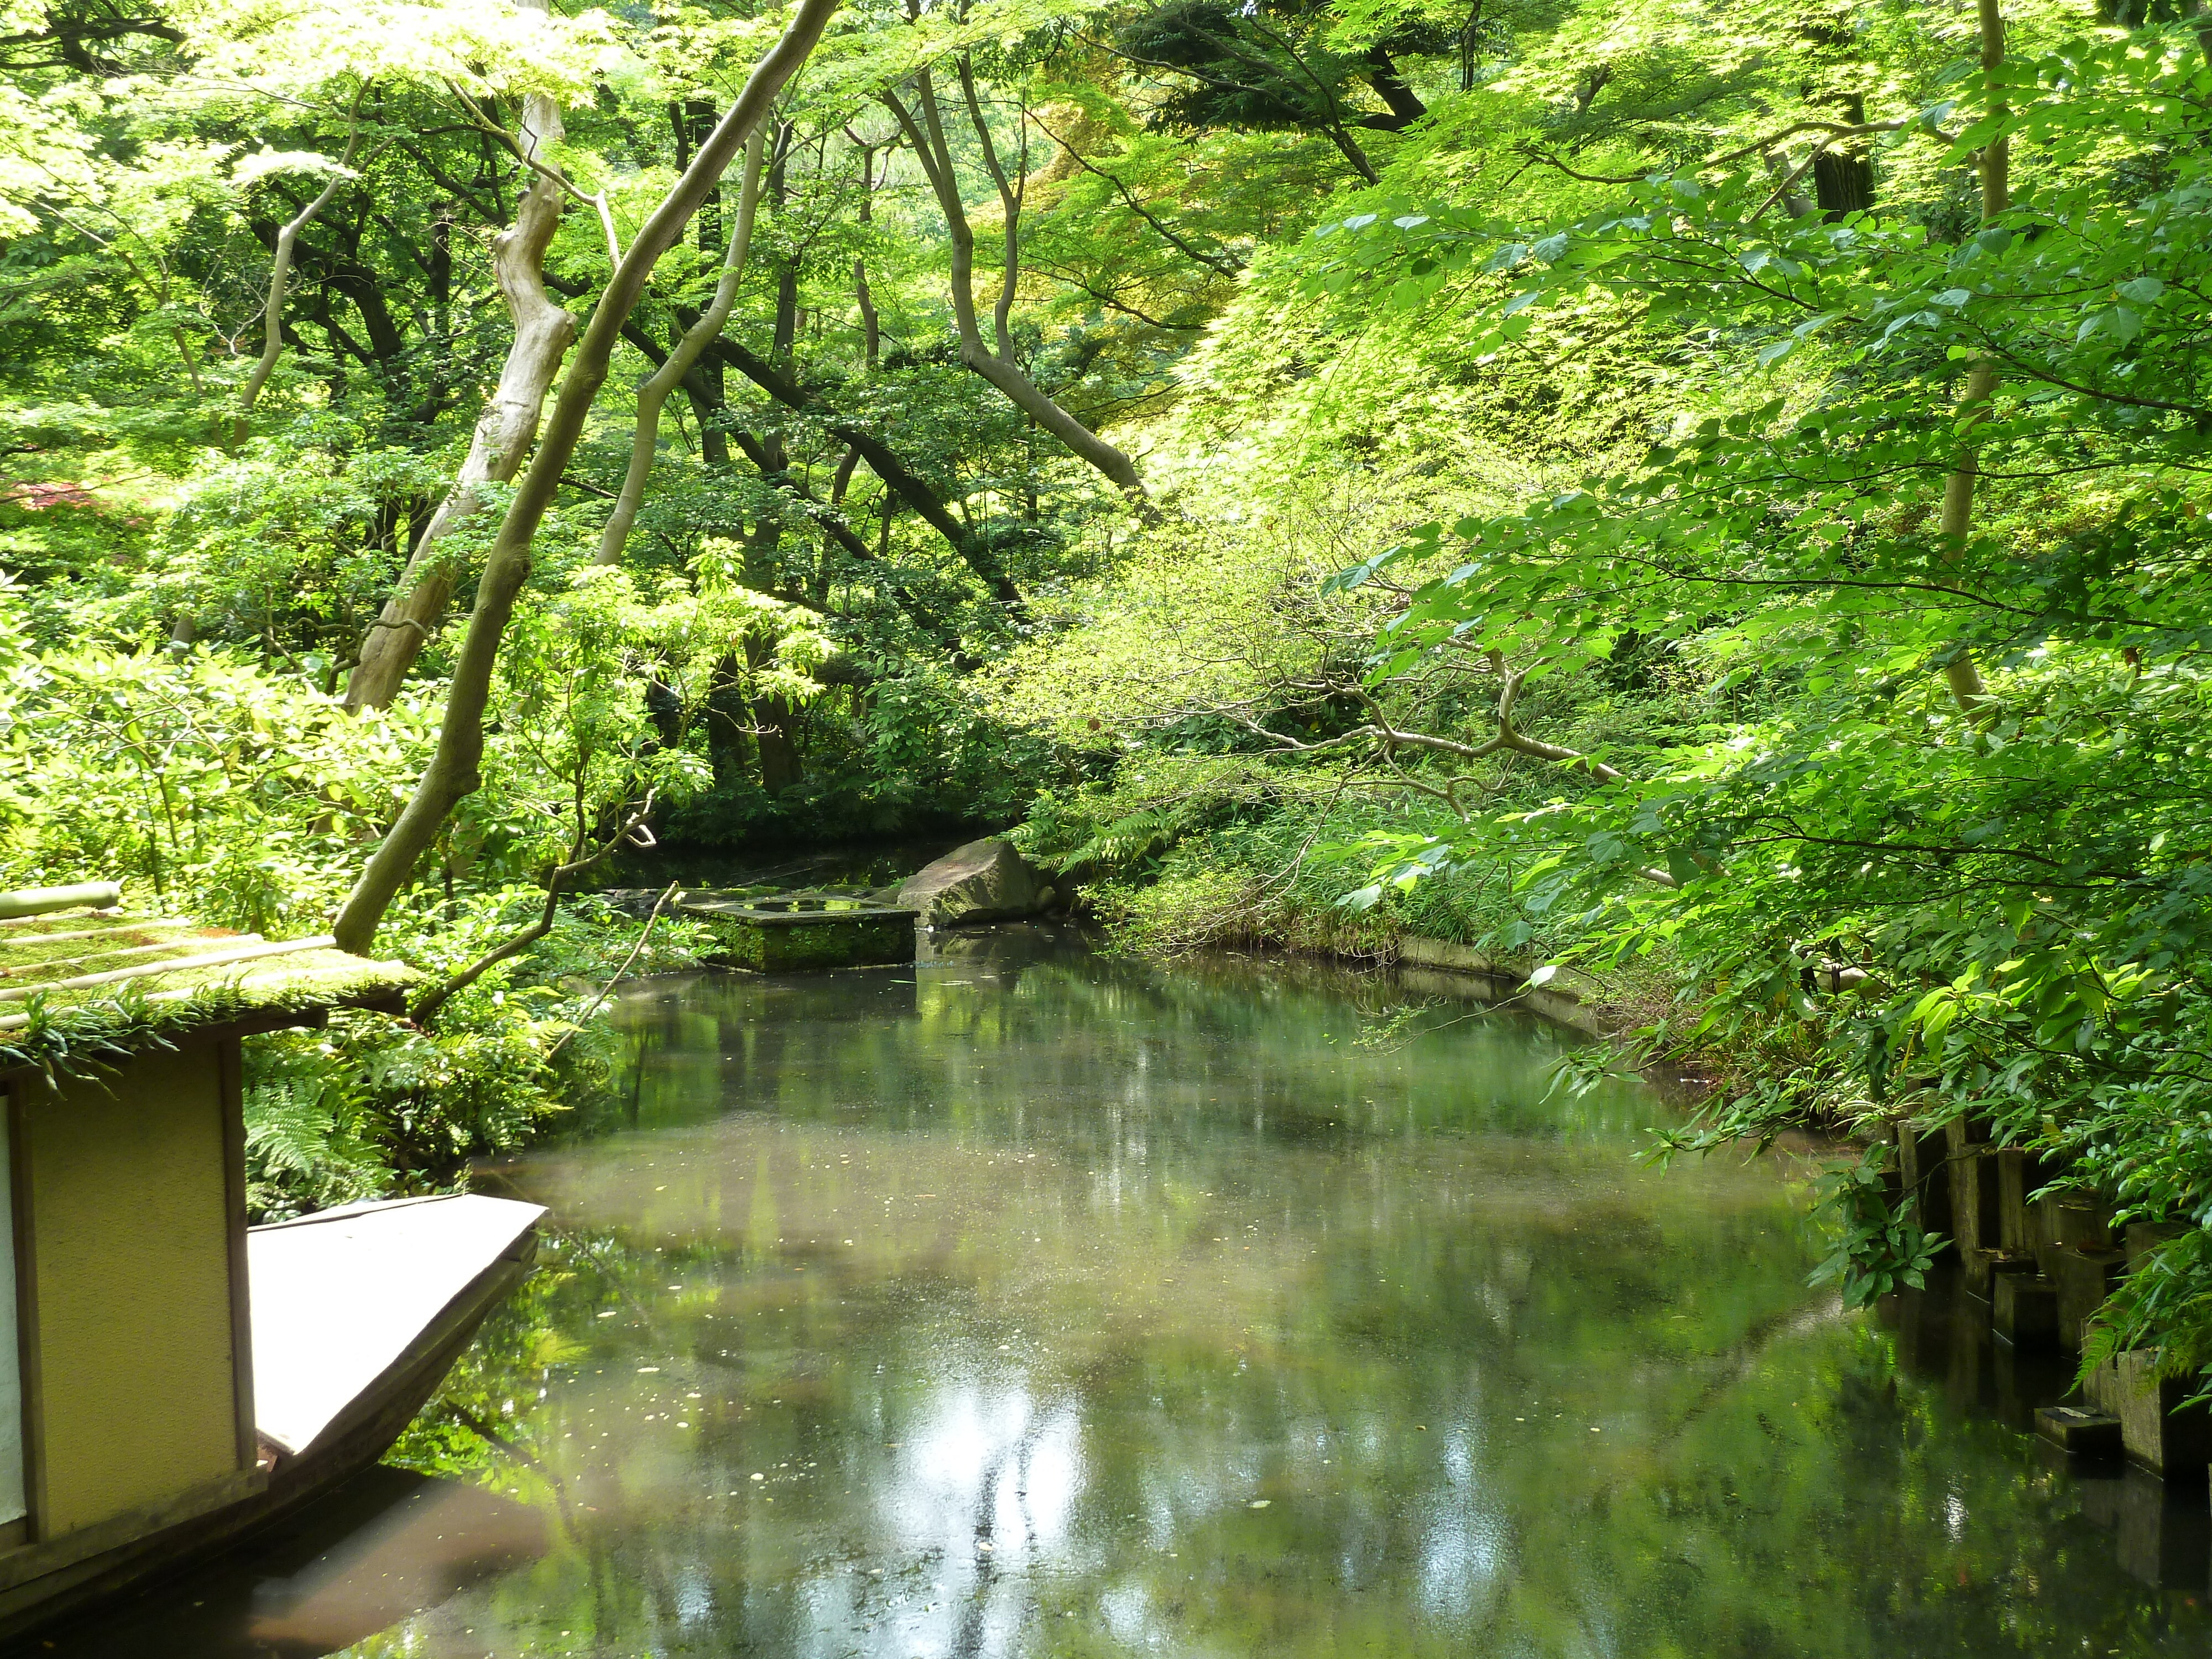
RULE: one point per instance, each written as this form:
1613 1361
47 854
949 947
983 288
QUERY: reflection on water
1034 1303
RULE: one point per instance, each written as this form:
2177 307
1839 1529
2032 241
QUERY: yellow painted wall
133 1285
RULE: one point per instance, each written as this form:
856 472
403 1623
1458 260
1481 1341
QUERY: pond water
1031 1302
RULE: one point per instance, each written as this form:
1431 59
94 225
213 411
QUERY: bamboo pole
37 900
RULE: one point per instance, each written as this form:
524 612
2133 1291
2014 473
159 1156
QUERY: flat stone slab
802 931
2091 1434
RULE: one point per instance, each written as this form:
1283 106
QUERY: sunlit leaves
1991 909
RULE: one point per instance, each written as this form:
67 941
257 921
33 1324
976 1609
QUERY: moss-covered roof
111 976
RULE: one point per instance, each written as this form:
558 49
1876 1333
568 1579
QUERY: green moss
58 1028
865 941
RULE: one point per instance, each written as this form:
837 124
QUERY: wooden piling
1923 1165
2020 1175
2159 1430
2085 1280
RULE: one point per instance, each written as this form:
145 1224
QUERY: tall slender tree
504 432
454 772
924 127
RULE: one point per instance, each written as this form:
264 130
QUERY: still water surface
1033 1302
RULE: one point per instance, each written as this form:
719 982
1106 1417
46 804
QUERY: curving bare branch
280 272
653 395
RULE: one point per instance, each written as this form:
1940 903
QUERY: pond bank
2034 1263
2038 1254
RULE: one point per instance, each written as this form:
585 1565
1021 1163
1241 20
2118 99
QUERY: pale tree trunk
454 771
1963 674
504 431
925 131
1785 179
653 395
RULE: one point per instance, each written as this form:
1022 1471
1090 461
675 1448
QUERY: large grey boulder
984 881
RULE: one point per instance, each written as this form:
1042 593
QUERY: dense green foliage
1708 494
1970 805
1848 672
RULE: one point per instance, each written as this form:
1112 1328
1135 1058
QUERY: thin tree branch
436 998
653 396
1229 268
280 272
607 990
597 201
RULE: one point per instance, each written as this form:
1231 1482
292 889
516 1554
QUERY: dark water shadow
388 1544
848 864
2159 1530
